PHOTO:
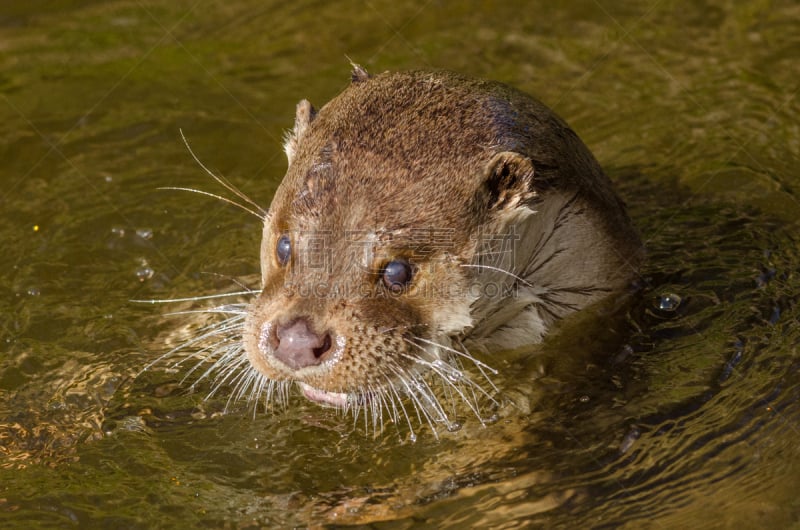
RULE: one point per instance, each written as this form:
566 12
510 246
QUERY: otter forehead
388 142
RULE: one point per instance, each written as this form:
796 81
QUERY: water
679 411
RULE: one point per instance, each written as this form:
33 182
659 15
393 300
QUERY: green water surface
680 413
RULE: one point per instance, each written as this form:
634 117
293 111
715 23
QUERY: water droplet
412 437
455 375
144 273
144 233
454 426
451 373
630 438
668 302
118 231
624 352
33 291
584 399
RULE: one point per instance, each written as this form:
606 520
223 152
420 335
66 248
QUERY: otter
424 217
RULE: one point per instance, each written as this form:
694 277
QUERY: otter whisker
221 310
464 354
227 366
361 407
275 392
206 333
243 389
214 196
243 383
283 398
434 401
387 402
396 399
362 410
376 406
345 408
221 366
369 405
263 386
251 388
415 400
196 298
476 396
446 374
385 330
203 356
223 329
354 407
258 389
482 367
368 410
235 281
240 379
430 404
518 278
259 212
222 347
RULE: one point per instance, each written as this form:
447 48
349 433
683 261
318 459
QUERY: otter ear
509 180
303 117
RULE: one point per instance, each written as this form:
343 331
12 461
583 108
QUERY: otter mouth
330 399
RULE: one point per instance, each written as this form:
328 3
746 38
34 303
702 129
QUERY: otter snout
297 346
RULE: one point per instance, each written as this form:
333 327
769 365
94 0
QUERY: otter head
391 239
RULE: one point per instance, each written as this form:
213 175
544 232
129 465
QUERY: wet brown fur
397 154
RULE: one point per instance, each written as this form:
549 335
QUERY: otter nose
298 346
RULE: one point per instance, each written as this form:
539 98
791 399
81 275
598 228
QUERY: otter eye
396 275
283 250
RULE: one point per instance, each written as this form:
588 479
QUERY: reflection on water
680 411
